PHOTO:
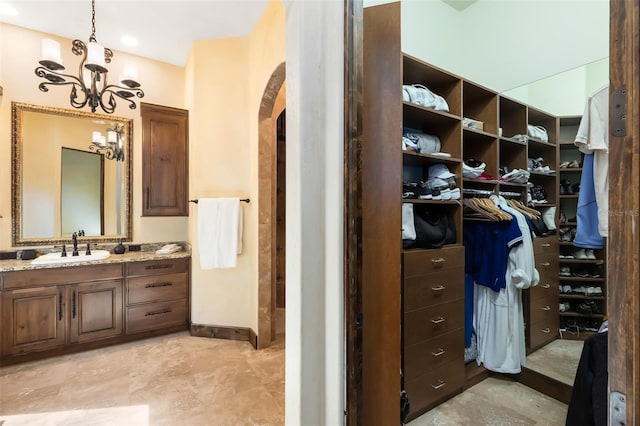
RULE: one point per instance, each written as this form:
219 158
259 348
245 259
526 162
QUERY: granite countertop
130 256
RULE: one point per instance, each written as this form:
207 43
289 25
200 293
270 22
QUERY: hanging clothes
587 229
593 139
498 313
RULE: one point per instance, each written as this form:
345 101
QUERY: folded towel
219 232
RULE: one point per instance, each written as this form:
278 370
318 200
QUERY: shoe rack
582 273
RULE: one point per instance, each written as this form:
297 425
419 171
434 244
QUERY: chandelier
111 145
90 87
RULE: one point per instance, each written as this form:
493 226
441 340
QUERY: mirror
63 182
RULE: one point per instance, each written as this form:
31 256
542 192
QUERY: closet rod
244 200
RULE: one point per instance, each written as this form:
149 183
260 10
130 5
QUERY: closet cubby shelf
537 143
543 175
482 181
578 279
438 202
577 314
582 261
426 113
512 141
567 169
580 297
479 134
417 159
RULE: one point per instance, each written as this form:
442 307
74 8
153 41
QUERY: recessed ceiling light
7 10
129 41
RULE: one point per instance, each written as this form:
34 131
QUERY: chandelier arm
119 93
61 79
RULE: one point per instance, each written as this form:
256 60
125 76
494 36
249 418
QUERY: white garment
499 318
593 138
219 232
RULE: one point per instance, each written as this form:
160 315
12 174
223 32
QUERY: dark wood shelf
569 169
569 196
512 141
580 297
437 202
579 315
578 279
582 261
416 159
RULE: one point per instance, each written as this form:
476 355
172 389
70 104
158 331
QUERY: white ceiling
164 29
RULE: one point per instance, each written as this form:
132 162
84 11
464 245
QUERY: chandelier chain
93 21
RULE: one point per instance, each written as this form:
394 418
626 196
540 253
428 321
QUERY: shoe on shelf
593 306
566 289
581 290
584 307
565 271
564 165
590 254
573 165
564 306
563 217
580 254
593 291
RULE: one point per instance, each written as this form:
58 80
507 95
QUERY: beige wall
163 84
228 79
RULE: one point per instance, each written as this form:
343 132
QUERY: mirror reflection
71 173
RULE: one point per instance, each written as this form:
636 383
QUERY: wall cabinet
60 309
165 160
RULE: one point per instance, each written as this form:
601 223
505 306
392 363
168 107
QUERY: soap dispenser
119 249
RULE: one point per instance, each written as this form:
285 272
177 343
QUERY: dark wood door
95 310
165 141
33 320
623 254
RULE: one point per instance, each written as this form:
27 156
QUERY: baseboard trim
223 332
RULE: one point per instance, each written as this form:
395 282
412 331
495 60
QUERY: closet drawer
546 245
544 289
547 265
427 323
429 289
426 390
156 315
543 332
156 287
431 354
543 308
157 267
422 262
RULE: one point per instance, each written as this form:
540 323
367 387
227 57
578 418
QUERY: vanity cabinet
157 295
63 309
49 308
165 141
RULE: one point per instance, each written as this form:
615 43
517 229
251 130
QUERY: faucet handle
64 251
88 252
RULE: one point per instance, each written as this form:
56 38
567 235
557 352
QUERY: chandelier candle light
90 87
111 145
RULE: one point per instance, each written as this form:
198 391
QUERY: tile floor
559 360
170 380
183 380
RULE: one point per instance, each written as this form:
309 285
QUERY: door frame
623 301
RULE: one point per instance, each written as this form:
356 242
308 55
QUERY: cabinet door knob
437 261
545 286
546 264
437 320
546 330
438 288
546 245
546 308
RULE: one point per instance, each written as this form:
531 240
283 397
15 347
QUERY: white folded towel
219 232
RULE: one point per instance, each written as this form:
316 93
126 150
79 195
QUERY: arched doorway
270 119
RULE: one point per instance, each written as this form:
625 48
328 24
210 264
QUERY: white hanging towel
219 232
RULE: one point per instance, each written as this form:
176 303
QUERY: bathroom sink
53 258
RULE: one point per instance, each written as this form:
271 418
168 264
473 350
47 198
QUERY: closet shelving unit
568 152
413 300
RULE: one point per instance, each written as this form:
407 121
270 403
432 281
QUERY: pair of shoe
588 291
583 271
565 271
569 165
564 306
566 187
588 307
584 254
566 234
566 289
565 256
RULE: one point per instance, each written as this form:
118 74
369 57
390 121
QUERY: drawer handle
164 311
439 288
546 286
439 385
437 320
154 285
546 330
546 264
437 260
438 353
164 266
546 245
546 308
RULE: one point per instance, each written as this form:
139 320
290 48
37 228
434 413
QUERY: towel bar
244 200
